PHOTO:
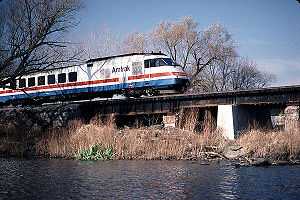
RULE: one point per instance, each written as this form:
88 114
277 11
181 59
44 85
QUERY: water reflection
68 179
228 183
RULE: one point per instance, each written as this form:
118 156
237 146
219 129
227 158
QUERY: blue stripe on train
162 83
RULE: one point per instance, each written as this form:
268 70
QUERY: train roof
123 55
100 59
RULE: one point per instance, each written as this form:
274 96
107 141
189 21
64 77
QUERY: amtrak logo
120 69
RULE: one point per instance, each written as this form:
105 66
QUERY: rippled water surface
69 179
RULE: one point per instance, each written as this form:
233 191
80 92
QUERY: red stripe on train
156 75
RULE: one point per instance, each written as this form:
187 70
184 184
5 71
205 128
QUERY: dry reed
133 143
280 145
167 143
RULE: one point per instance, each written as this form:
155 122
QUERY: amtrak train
129 74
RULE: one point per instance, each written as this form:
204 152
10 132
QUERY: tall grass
130 143
101 139
278 145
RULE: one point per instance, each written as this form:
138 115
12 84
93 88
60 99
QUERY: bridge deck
289 95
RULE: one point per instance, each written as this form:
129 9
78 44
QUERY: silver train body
102 77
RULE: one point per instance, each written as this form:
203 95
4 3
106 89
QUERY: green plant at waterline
96 152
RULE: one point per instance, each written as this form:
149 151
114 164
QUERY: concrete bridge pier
170 120
291 118
225 121
233 119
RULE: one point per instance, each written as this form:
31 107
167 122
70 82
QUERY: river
71 179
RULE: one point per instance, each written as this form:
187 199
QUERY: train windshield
160 62
168 61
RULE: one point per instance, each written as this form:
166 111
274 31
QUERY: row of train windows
41 80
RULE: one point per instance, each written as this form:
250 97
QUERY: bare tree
101 43
135 42
208 56
214 45
191 48
32 35
231 74
177 39
246 76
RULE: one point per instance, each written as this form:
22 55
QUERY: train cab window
146 63
31 81
72 76
51 79
159 62
61 78
41 80
153 63
90 65
162 62
22 83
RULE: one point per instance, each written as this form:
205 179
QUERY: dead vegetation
275 145
131 143
152 142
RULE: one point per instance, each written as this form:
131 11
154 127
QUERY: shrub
95 152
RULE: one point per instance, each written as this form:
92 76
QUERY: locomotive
132 74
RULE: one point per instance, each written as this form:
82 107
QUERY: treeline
32 38
209 56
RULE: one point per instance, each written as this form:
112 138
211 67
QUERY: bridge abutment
170 120
291 117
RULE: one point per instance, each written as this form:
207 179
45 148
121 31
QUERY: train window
153 63
61 78
51 79
7 86
22 83
72 76
147 63
161 62
31 81
169 61
90 64
13 84
41 80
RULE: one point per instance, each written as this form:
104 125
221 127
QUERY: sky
266 31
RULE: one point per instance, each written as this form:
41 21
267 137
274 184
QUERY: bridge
231 111
289 95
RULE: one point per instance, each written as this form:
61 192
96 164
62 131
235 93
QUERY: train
133 74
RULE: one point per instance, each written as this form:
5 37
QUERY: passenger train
129 74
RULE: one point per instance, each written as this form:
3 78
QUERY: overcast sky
267 31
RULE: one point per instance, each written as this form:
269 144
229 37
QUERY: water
69 179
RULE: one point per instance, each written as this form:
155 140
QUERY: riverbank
102 141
